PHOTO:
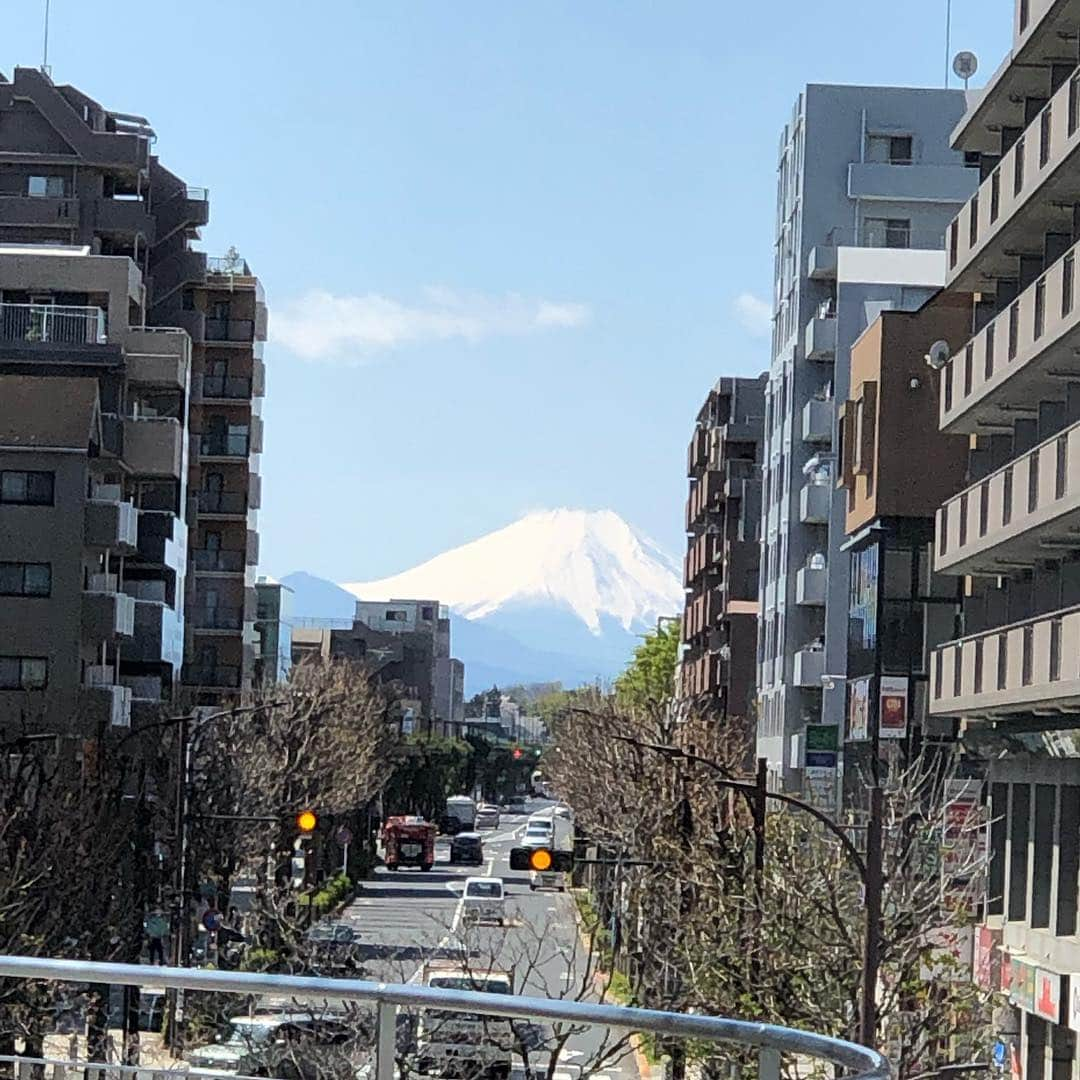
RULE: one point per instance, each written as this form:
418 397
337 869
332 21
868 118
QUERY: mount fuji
557 595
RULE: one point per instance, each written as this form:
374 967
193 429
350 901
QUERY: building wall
822 162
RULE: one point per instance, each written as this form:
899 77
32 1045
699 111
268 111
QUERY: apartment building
81 181
867 185
401 641
1012 389
896 468
720 571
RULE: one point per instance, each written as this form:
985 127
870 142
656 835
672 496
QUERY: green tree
648 683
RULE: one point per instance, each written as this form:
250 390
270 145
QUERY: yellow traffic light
306 821
540 859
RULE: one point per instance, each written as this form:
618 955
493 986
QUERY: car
484 900
487 817
468 848
516 804
277 1044
539 832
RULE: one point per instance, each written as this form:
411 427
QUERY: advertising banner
893 708
859 710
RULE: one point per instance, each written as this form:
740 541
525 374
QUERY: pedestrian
156 928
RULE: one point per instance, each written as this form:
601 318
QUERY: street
408 917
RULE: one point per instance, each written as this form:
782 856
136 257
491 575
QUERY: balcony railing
216 561
228 387
769 1043
234 445
212 675
1034 160
53 324
217 618
236 330
222 502
227 264
1006 362
1010 517
1027 665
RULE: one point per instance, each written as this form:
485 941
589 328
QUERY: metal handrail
769 1039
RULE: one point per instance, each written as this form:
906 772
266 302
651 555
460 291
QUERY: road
407 917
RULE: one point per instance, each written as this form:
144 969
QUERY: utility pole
873 883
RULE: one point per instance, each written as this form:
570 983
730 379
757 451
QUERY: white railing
53 323
771 1042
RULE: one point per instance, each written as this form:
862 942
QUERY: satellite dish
939 355
964 65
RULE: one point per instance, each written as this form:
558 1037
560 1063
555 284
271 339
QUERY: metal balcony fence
52 323
386 1000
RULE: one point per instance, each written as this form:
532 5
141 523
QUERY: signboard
343 836
963 842
1022 990
1047 1003
859 710
820 787
1074 1004
893 710
211 919
821 746
986 963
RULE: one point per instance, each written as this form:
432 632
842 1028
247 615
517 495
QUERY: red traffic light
517 753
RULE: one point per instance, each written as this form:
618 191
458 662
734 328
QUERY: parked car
468 848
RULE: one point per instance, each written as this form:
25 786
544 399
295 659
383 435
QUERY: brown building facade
723 510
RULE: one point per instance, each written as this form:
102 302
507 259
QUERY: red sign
987 959
1047 995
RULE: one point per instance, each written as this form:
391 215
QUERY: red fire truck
408 841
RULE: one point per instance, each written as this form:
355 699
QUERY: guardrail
770 1041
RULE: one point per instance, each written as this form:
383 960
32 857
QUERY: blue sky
507 245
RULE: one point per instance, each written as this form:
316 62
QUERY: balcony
52 324
1030 193
222 388
1018 357
226 619
158 356
159 630
222 503
1026 511
815 502
39 211
212 676
154 445
188 209
765 1048
217 561
127 217
1027 666
111 524
870 180
231 445
162 539
105 705
821 262
230 331
810 584
107 615
817 421
174 272
809 667
820 341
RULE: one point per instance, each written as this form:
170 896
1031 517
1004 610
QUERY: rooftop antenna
45 50
965 64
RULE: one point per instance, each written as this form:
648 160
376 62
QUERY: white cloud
754 313
322 326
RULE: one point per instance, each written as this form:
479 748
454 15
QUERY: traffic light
306 821
541 859
517 753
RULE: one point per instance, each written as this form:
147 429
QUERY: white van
484 901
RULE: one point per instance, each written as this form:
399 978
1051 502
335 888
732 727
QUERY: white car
484 901
540 832
487 817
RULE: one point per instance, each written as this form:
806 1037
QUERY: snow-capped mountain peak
591 563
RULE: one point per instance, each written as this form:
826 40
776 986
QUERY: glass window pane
37 580
11 579
9 673
13 486
39 488
898 574
34 673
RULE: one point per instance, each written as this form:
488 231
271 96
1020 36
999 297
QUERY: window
969 368
1068 276
973 221
988 358
23 672
1074 103
1018 166
888 232
27 488
1014 330
1061 477
396 616
1006 496
427 614
900 150
889 149
984 509
1040 308
995 195
954 241
979 666
1046 120
25 579
1033 482
1025 14
45 187
1019 826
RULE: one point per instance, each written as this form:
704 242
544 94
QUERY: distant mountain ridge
557 595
